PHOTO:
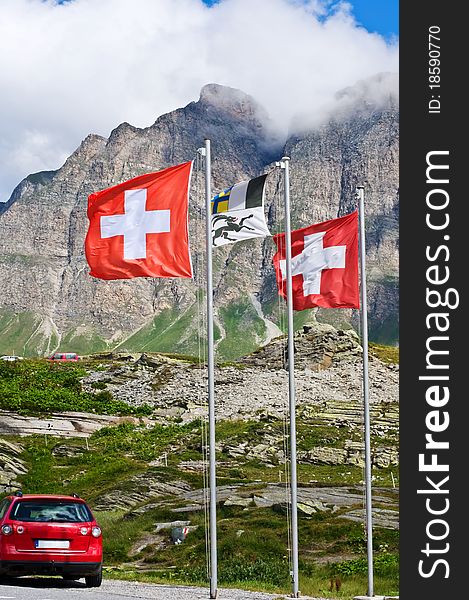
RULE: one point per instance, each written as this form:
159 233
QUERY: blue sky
378 15
381 16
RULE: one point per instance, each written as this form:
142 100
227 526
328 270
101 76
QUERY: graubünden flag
238 213
139 228
324 264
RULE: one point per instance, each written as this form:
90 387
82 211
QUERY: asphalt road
27 588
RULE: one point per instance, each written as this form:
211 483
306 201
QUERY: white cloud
86 66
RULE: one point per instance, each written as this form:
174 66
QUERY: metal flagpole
211 387
366 403
291 383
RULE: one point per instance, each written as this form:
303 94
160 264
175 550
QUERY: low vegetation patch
388 354
252 553
40 387
146 444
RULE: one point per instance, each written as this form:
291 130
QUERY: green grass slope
122 462
253 541
177 331
22 334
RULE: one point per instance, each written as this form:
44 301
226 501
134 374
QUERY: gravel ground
56 589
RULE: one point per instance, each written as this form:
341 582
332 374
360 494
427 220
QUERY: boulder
235 501
324 455
11 466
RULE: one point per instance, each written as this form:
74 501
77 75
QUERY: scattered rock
10 466
381 517
312 506
317 348
385 457
310 500
75 476
326 456
328 373
262 502
66 424
188 509
234 501
147 541
67 451
139 488
161 526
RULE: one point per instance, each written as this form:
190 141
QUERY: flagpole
211 387
366 403
291 383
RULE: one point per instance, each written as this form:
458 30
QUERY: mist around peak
108 62
376 93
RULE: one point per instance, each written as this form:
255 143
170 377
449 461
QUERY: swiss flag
139 228
324 264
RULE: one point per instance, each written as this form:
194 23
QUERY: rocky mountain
48 301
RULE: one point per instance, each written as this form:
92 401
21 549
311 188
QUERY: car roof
46 497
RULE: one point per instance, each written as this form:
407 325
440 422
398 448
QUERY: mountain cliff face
48 301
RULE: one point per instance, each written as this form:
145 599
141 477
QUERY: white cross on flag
324 264
139 228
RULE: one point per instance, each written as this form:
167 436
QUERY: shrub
39 387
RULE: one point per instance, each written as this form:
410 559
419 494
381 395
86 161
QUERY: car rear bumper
23 567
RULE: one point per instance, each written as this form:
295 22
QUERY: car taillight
96 532
7 529
84 530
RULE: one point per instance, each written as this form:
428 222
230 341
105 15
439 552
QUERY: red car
50 535
65 356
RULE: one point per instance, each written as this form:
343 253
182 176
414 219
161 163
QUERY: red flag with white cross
324 264
139 228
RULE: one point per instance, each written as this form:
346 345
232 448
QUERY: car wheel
94 580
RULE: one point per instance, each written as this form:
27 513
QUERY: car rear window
51 511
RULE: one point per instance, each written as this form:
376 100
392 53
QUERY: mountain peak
231 100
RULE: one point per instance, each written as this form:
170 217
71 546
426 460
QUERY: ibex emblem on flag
231 225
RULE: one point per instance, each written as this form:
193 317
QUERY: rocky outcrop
11 466
317 347
328 383
343 502
67 424
352 454
48 300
